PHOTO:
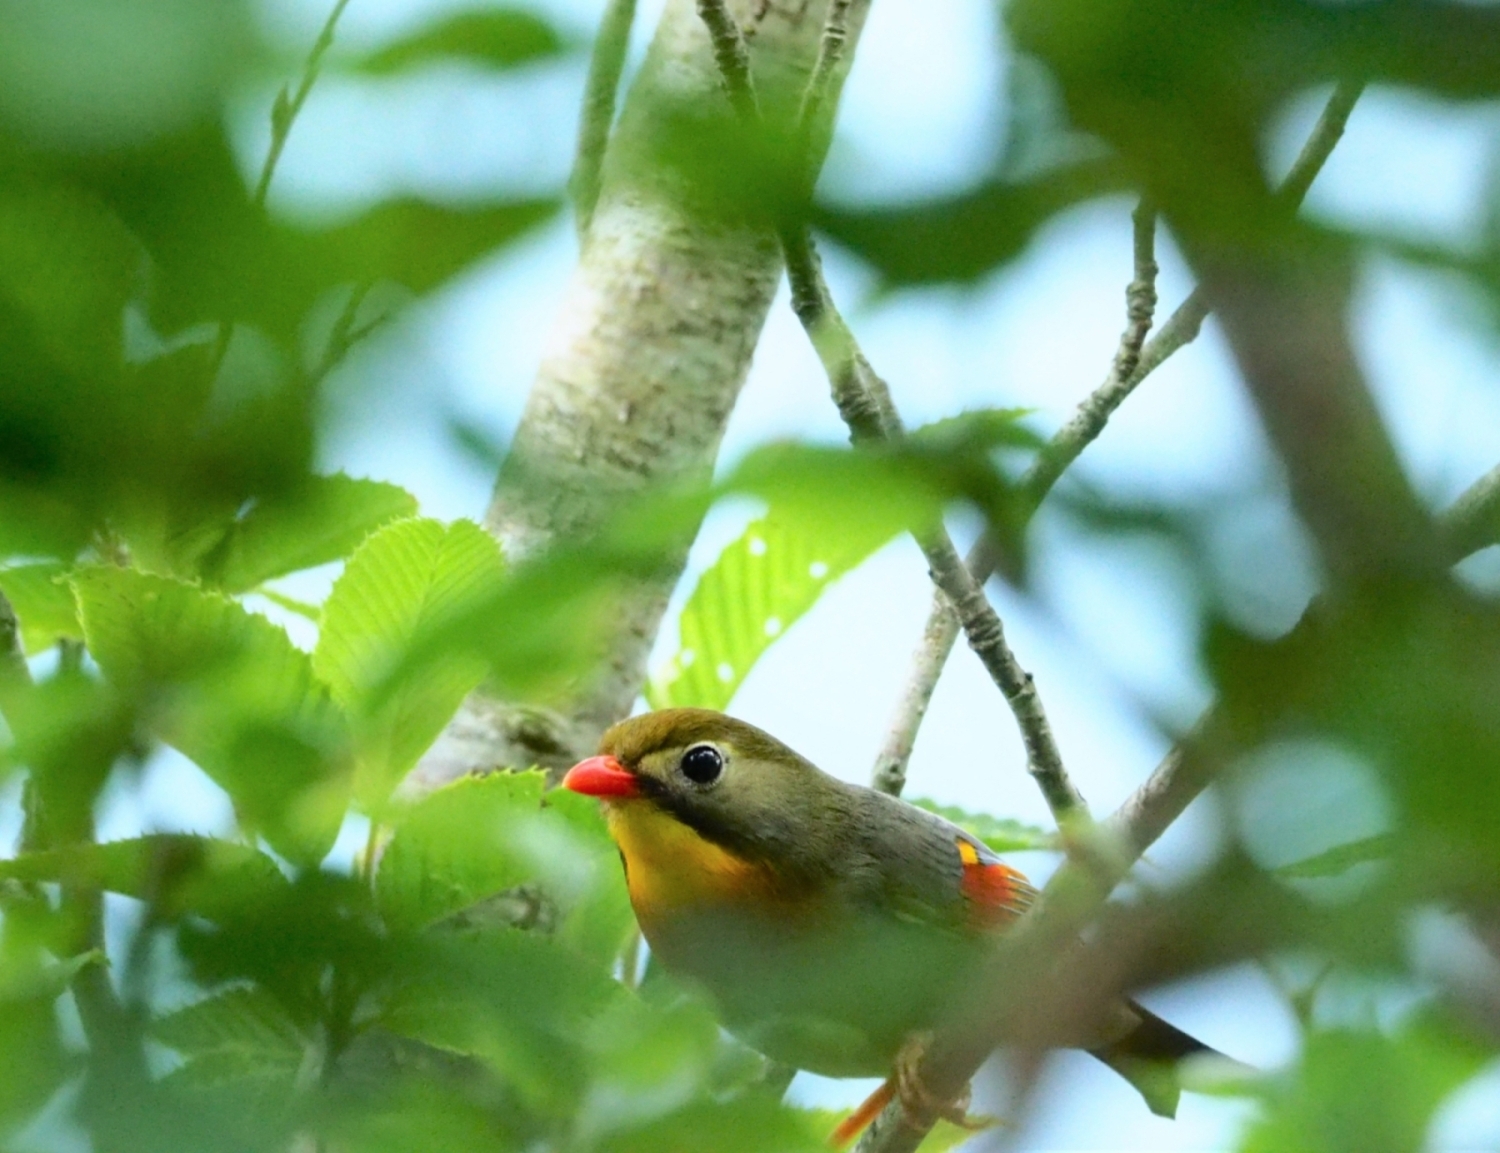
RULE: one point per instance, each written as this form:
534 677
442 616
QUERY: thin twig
1152 808
284 112
864 401
600 91
1473 520
732 55
1183 774
815 113
288 103
1087 422
346 332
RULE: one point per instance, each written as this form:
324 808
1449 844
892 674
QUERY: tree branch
653 341
603 84
1473 520
1075 892
864 402
1087 422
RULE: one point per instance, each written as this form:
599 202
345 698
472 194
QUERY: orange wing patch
997 892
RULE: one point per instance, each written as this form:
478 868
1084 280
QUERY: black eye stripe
702 764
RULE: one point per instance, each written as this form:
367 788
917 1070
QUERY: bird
831 925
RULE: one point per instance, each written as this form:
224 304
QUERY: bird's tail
1148 1056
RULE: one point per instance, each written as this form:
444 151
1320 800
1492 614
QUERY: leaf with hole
745 601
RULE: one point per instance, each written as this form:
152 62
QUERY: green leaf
498 37
406 580
904 484
1340 859
243 1029
177 872
758 588
44 604
414 243
325 520
1362 1092
47 981
830 509
516 1000
962 238
453 847
1000 833
537 625
595 905
456 855
749 1124
242 702
68 266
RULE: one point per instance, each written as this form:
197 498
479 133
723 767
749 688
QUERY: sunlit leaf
407 579
245 704
48 980
758 588
1002 834
43 602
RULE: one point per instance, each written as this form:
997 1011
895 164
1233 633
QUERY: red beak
602 777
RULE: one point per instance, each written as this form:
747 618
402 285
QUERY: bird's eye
702 764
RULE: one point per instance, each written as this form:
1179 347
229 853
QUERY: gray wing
926 869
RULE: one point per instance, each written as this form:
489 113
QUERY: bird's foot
922 1106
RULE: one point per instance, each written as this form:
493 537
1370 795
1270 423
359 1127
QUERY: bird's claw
921 1105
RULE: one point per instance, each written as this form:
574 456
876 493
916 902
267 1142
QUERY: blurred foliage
467 980
1002 834
503 37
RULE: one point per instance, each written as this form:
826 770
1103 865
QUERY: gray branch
1087 422
1078 889
864 402
643 366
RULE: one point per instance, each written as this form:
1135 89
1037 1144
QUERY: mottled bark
647 356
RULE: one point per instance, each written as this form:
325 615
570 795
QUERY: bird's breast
673 872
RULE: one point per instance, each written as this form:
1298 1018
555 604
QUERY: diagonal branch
1081 430
863 400
1076 891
